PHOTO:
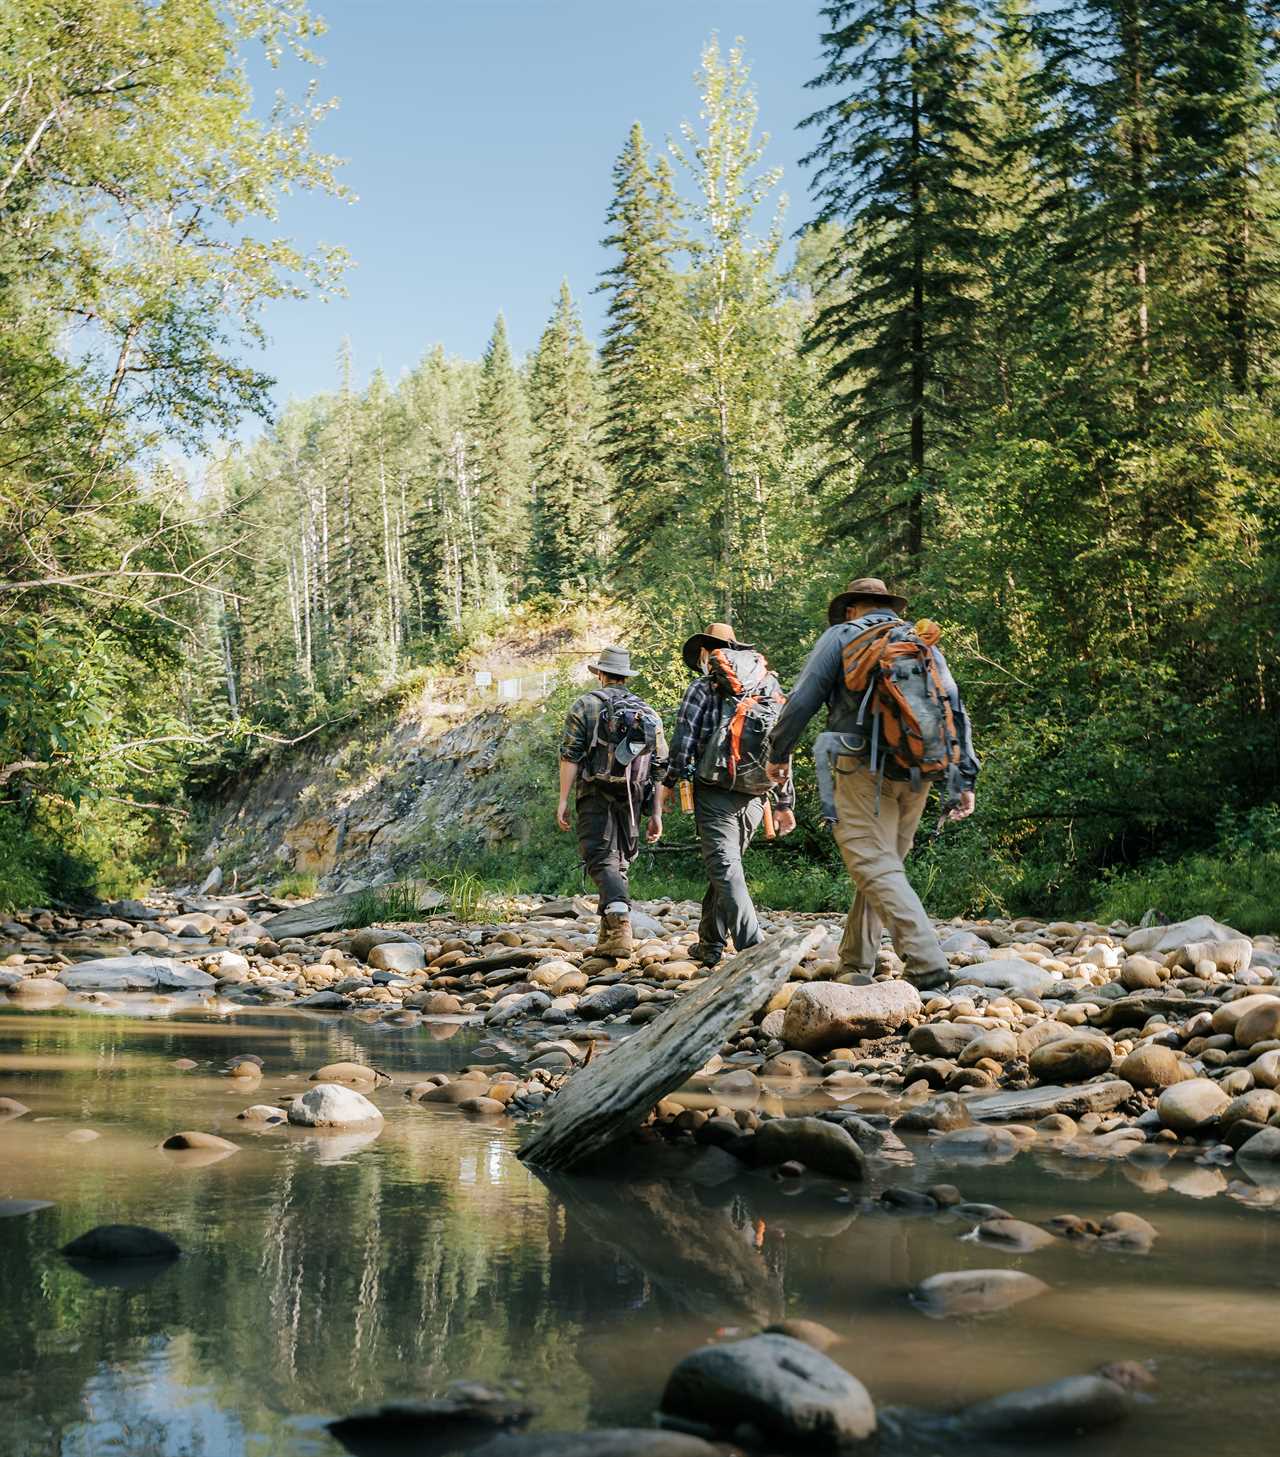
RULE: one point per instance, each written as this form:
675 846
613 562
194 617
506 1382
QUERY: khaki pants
874 847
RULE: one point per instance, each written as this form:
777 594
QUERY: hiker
722 727
879 675
614 752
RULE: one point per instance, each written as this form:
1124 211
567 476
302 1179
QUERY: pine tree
501 468
895 164
571 486
640 359
733 321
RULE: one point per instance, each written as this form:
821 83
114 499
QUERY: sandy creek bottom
325 1273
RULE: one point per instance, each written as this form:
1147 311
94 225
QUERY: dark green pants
608 839
726 822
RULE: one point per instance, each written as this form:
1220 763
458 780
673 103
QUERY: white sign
509 688
484 680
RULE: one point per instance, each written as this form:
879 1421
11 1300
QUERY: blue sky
480 136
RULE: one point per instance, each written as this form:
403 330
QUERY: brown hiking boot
615 936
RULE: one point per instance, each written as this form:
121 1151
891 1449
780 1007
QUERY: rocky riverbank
1159 1045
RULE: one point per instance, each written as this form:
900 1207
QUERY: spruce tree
571 486
501 466
896 165
640 363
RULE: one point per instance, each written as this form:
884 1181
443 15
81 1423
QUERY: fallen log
610 1098
338 912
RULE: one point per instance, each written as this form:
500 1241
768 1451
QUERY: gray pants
726 822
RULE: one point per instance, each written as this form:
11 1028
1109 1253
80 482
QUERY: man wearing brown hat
722 729
877 807
613 751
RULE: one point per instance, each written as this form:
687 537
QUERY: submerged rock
824 1147
110 1242
974 1292
603 1442
1075 1404
784 1388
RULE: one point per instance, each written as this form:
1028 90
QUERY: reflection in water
325 1273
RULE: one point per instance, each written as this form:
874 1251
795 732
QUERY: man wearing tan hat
721 734
878 805
614 752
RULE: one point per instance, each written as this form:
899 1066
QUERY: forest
1012 347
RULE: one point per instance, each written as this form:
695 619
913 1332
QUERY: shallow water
322 1273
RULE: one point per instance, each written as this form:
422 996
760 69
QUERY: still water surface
323 1273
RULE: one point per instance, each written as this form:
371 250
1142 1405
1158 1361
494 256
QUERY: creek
322 1273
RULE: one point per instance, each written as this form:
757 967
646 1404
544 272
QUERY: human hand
653 830
777 772
784 821
562 814
964 809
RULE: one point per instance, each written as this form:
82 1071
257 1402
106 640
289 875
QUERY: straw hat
718 635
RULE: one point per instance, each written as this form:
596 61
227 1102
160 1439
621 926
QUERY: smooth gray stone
1033 1103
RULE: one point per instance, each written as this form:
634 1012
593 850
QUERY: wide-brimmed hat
864 589
616 662
718 635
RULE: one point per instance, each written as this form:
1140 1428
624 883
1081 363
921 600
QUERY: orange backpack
904 711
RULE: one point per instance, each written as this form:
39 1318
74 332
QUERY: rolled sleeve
576 738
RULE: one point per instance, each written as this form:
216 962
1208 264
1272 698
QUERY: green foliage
1237 881
296 883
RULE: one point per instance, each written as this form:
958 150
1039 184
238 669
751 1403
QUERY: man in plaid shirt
726 819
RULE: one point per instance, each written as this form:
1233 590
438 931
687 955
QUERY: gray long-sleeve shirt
822 681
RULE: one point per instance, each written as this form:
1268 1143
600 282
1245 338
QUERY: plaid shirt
695 720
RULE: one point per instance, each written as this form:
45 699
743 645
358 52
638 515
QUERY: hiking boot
707 956
615 935
928 981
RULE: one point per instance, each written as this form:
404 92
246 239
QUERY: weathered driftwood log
336 912
611 1096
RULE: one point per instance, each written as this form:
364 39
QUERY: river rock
1189 1105
998 1043
607 1001
12 1208
938 1115
1018 977
263 1113
1074 1404
355 1074
397 956
363 942
1263 1147
111 1242
134 974
1153 1066
786 1390
1258 1105
821 1146
1228 1015
1160 940
1014 1234
330 1105
1266 1069
1072 1059
1020 1106
974 1292
195 1139
811 1332
1260 1024
11 1108
822 1015
941 1039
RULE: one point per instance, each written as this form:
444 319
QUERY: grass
1241 889
295 883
